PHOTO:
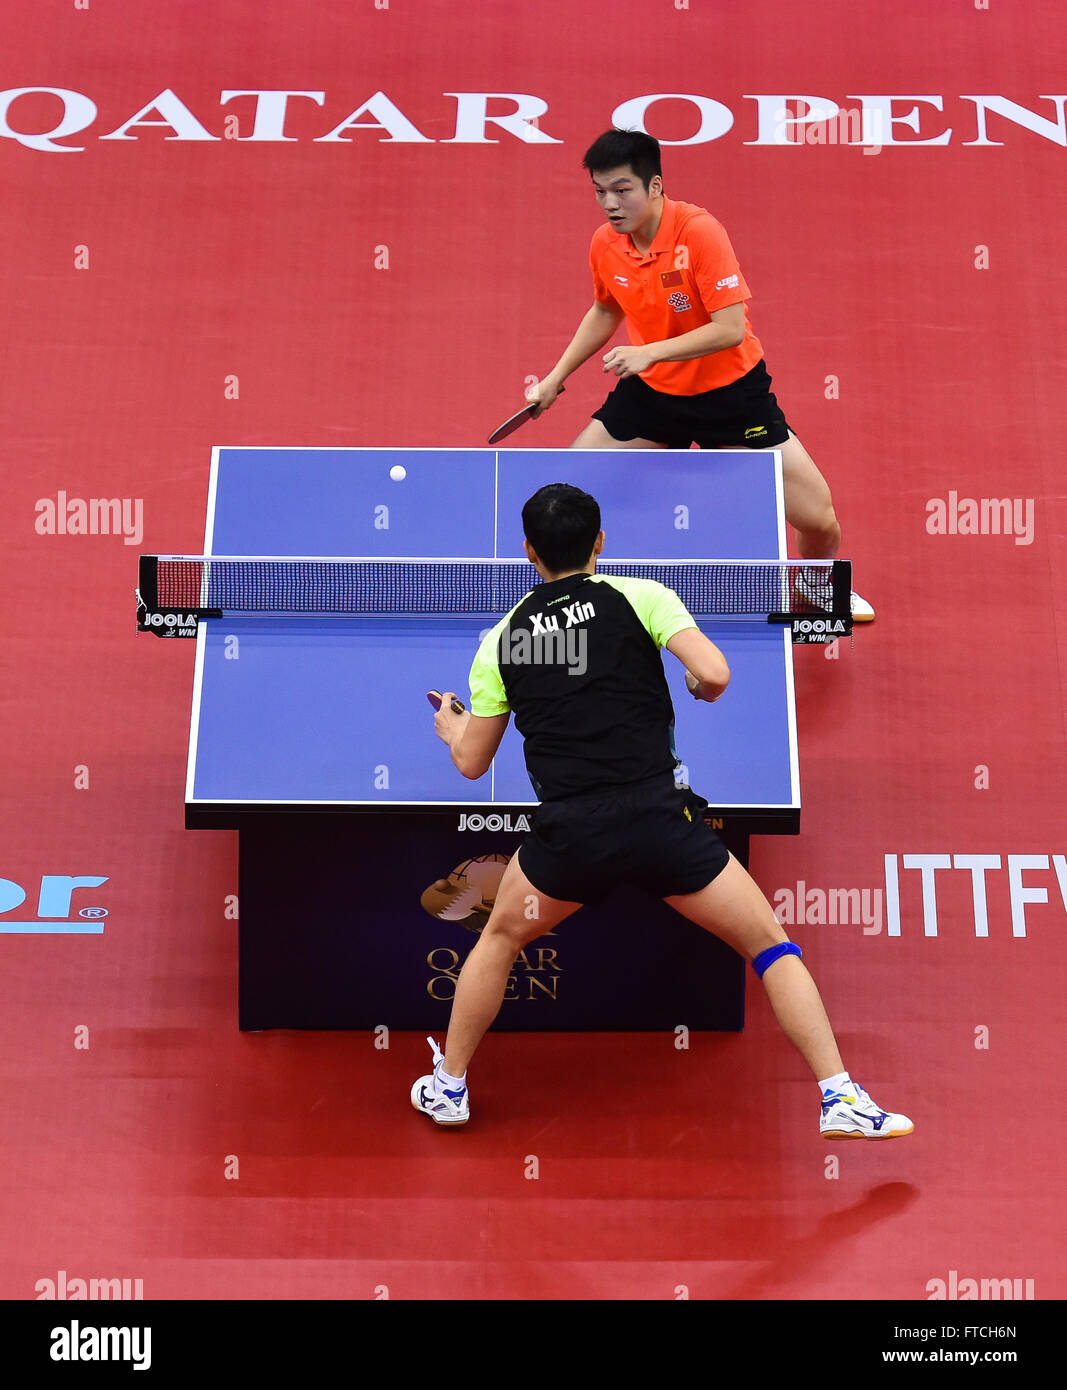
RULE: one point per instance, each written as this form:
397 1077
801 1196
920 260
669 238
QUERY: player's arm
707 673
726 330
472 740
598 327
670 624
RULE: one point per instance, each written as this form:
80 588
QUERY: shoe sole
855 1134
441 1124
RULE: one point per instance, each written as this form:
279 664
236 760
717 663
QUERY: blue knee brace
773 953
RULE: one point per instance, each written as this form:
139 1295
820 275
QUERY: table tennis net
341 587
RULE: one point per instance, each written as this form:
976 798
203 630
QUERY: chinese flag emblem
671 277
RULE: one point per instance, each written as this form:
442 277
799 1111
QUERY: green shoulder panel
488 697
661 611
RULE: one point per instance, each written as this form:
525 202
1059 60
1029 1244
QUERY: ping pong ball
398 473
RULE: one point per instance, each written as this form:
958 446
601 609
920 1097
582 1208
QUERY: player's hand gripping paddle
519 418
435 697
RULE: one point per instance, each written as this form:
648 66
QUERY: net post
147 567
841 589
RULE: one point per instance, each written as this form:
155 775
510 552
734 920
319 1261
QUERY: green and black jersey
578 663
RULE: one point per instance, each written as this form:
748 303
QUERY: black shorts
649 833
742 415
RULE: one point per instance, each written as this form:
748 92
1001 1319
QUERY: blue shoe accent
832 1098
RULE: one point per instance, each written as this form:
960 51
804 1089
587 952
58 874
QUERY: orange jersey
688 272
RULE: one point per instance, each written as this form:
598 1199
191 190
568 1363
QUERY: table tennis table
312 735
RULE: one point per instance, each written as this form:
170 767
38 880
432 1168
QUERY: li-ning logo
679 302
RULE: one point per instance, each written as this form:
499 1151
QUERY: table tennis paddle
434 697
520 417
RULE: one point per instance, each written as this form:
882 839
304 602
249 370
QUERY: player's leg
745 414
595 436
809 507
554 871
734 909
520 915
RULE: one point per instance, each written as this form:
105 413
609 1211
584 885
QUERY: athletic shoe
862 612
814 586
848 1117
429 1096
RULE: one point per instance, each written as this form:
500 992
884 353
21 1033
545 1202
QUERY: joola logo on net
55 910
817 629
173 623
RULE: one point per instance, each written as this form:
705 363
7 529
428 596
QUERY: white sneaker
847 1117
429 1096
862 612
814 586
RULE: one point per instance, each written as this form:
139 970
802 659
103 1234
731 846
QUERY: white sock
837 1083
451 1083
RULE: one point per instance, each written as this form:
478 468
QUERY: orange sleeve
601 293
715 267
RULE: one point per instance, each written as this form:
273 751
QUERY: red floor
250 266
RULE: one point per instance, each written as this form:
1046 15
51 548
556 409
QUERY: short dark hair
561 523
615 148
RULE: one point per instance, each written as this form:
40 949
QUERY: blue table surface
333 711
